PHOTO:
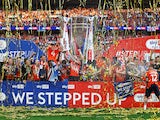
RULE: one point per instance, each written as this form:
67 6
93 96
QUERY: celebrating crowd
62 65
131 17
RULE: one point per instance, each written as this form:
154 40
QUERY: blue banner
124 89
39 28
43 28
43 94
19 48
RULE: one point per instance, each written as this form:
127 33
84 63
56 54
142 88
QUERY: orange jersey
64 74
18 74
100 62
152 76
35 73
10 77
45 64
75 68
119 77
53 54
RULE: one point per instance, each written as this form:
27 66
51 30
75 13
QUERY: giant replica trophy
78 37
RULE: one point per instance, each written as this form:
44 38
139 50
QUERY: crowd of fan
131 17
99 69
43 70
66 66
29 18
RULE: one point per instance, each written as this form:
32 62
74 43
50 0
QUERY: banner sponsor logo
149 28
94 86
43 86
139 97
18 86
3 55
2 96
153 44
64 87
71 86
3 44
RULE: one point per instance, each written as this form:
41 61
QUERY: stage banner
103 95
140 48
124 89
43 94
19 48
72 95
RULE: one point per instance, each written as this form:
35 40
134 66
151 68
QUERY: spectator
74 71
36 70
26 70
156 64
53 51
43 73
44 63
64 70
9 69
41 70
53 72
18 67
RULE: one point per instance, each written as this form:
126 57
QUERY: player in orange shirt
54 51
151 84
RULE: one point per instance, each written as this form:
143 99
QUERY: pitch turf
27 113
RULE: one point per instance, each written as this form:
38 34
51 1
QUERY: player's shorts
154 88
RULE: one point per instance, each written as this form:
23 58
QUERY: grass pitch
27 113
